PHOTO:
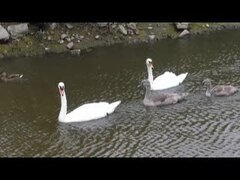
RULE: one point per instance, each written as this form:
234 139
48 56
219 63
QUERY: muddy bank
28 39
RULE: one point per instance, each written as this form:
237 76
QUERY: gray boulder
132 26
102 24
70 45
182 26
4 35
69 26
64 36
53 26
184 33
18 30
122 29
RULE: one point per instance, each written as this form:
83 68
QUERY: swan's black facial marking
151 65
61 89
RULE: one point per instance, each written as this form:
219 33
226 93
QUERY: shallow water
196 127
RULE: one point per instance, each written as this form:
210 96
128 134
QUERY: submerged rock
76 51
4 35
151 38
18 30
47 48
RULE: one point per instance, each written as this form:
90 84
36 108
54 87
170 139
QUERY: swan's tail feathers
113 106
181 77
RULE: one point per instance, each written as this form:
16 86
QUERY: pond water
196 127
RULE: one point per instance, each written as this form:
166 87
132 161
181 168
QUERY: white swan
164 81
85 112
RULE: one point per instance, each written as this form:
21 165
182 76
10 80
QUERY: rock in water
75 52
151 38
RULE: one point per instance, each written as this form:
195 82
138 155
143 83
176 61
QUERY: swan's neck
150 74
208 92
63 110
147 93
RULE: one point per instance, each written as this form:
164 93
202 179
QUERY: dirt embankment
26 39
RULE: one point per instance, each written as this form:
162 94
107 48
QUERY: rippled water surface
197 127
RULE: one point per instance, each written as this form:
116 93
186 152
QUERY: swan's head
149 63
146 83
3 74
61 88
207 82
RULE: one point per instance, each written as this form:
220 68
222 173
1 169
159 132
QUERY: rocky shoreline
34 39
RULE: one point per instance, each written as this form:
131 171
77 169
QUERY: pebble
70 45
97 37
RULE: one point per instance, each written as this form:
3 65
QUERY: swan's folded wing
89 111
158 96
217 89
167 80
